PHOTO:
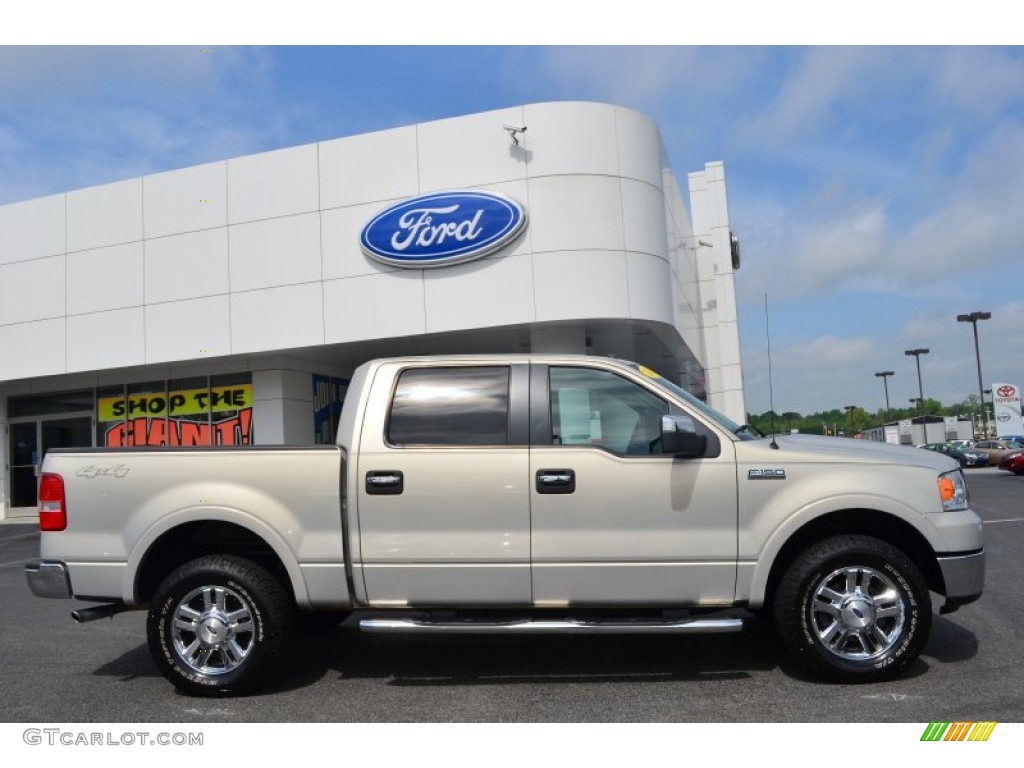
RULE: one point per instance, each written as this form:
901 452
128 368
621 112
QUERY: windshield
744 432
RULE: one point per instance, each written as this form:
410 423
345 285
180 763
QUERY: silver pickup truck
513 494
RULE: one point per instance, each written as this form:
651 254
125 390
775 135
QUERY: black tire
217 625
853 608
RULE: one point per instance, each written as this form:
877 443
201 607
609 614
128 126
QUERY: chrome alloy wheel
213 630
857 613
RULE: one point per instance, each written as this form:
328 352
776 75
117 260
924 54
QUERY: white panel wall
596 281
571 138
112 339
31 349
273 184
106 215
32 229
261 253
576 213
275 252
367 168
718 319
650 286
32 290
643 219
185 201
277 318
482 293
187 266
340 229
105 278
471 151
188 330
640 152
374 307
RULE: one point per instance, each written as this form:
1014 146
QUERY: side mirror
679 437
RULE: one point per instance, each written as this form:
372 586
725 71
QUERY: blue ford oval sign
442 228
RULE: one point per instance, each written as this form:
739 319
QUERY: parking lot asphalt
53 670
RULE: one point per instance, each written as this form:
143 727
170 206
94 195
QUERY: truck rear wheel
853 608
217 625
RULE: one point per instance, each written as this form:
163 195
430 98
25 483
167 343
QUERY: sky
877 190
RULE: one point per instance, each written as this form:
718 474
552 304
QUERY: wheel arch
868 522
197 538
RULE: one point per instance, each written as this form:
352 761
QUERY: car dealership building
228 303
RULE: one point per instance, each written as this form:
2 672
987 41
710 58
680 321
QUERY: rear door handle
387 482
556 481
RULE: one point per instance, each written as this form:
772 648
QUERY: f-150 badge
766 474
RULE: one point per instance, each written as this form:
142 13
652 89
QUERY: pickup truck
513 494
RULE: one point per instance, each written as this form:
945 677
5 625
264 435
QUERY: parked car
1013 462
997 449
968 457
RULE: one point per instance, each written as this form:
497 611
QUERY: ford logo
442 228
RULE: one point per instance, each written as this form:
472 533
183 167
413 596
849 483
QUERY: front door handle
556 481
388 482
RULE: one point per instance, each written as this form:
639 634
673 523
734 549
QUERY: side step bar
705 626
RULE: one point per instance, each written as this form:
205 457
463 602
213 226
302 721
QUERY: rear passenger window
450 406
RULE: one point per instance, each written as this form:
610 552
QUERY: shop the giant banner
1006 398
189 417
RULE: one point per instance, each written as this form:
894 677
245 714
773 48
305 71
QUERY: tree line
857 419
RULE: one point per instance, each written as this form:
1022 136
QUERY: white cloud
85 116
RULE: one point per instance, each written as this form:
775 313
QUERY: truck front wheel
853 608
217 624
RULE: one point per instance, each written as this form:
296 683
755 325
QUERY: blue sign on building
442 228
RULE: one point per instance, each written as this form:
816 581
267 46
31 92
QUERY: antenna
771 391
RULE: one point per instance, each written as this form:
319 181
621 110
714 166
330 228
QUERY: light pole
984 408
973 319
916 354
884 376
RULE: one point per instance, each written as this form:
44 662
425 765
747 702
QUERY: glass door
24 453
30 440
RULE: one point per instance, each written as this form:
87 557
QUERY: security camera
514 131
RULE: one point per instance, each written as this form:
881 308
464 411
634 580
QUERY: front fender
753 574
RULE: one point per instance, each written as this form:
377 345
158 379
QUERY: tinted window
450 406
591 407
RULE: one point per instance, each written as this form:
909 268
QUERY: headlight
953 491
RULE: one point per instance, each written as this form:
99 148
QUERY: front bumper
964 577
48 578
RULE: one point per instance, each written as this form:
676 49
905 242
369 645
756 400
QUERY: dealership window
193 411
328 396
591 407
450 406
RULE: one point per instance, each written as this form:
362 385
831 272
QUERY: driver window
602 409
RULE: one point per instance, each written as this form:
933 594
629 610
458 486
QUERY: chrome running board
706 626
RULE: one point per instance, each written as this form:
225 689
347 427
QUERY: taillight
52 510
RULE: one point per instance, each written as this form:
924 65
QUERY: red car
1013 462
